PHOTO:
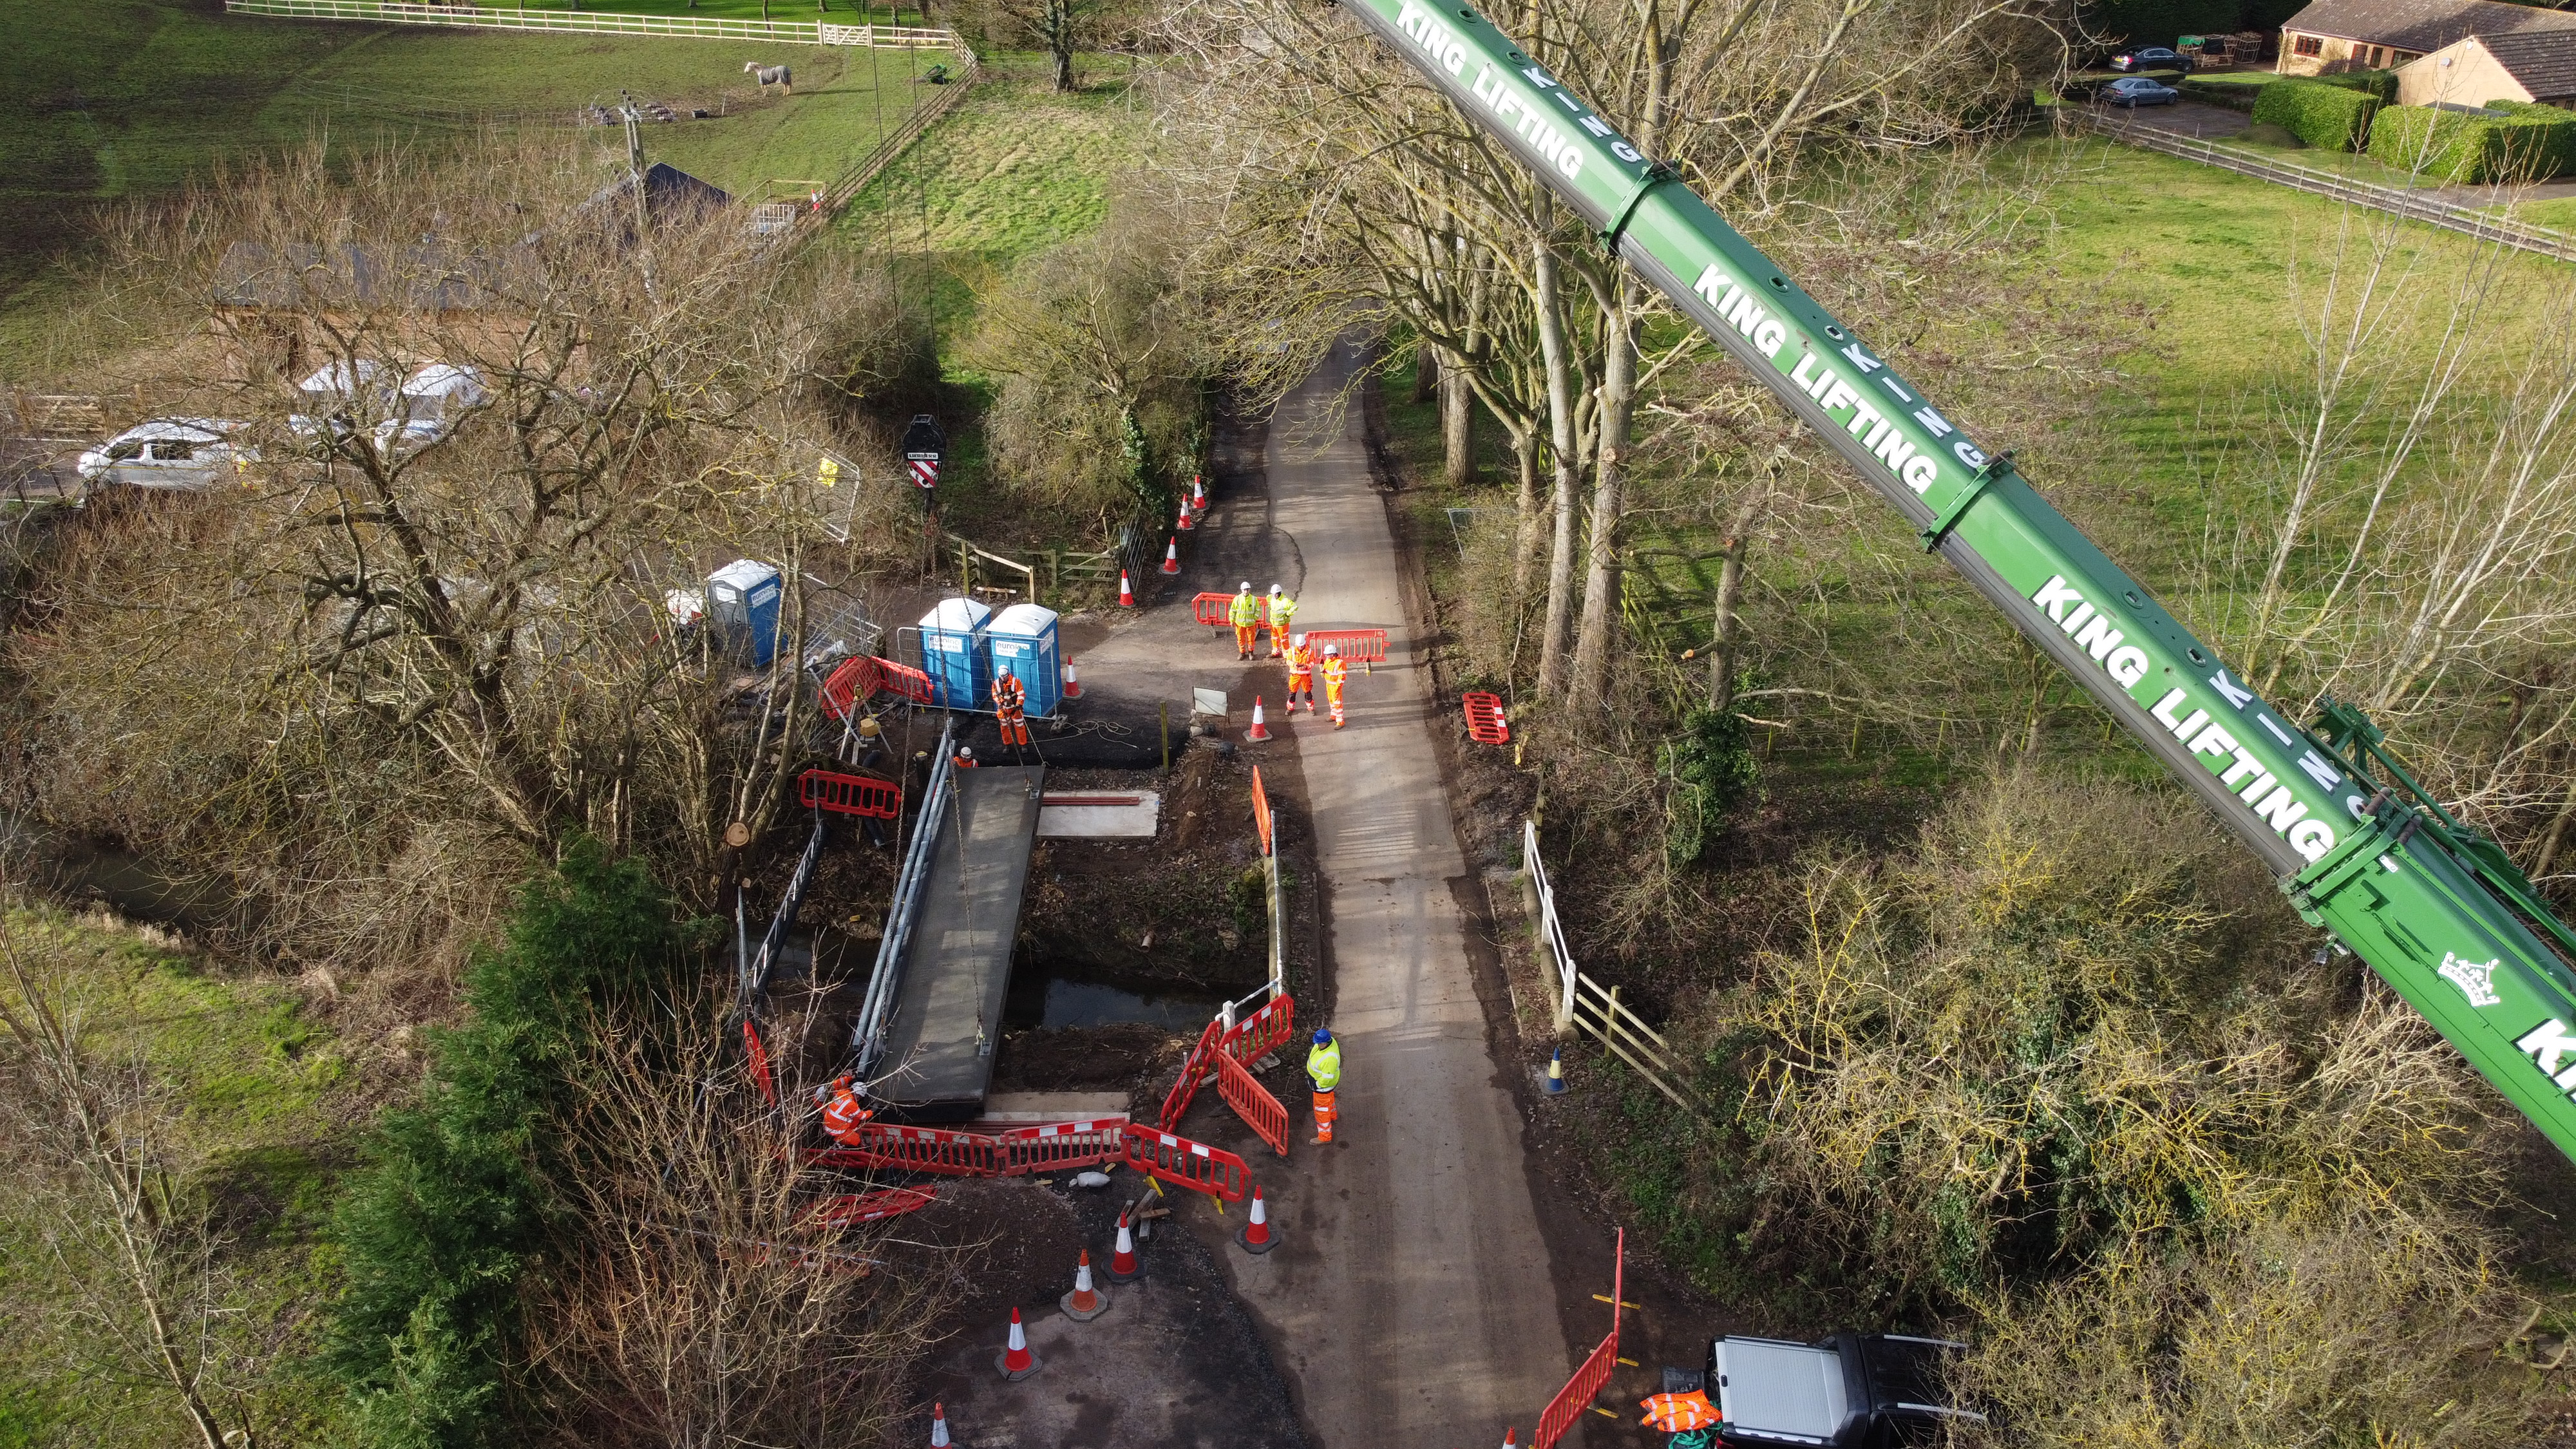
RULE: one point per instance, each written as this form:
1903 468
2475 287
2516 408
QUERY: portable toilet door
1024 643
955 656
742 604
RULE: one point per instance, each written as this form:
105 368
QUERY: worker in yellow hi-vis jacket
1324 1069
1245 615
1282 610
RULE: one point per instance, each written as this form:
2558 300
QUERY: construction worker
1335 672
1282 609
1324 1068
1010 705
1301 674
965 758
842 1114
1245 614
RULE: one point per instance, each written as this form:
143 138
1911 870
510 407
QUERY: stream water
1043 1000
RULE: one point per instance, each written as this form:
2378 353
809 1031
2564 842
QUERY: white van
168 453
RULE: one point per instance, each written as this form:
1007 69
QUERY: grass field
261 1097
125 98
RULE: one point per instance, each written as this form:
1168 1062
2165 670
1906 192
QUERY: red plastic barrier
1485 723
755 1054
1363 646
1183 1163
1061 1145
917 1149
862 677
1577 1395
849 794
849 1209
1194 1073
1252 1102
1263 1032
1215 610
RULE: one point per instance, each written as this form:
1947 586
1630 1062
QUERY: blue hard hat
1323 1037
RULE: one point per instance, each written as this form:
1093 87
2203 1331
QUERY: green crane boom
2437 911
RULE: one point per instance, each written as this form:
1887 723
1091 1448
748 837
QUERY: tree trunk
1730 591
1560 432
1064 68
1525 515
1457 425
1609 478
1721 654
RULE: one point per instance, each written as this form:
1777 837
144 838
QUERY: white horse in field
771 75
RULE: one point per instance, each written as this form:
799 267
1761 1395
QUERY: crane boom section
2352 857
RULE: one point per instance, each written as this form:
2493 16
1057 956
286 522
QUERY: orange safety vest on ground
1678 1413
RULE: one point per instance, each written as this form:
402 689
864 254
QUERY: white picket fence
1583 1004
586 22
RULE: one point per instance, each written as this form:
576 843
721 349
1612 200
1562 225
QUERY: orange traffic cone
1016 1362
1188 519
1260 731
938 1426
1198 492
1085 1302
1254 1236
1507 1438
1072 683
1126 591
1122 1263
1172 555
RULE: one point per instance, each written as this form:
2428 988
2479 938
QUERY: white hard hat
1297 640
1246 588
1332 651
965 752
1274 588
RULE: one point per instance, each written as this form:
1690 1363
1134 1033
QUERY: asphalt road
1411 1303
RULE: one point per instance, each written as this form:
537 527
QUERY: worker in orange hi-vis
1301 674
1245 615
1335 673
1324 1069
1010 706
965 759
842 1114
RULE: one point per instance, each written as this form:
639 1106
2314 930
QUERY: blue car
2137 90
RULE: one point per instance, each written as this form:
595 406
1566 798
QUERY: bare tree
130 1228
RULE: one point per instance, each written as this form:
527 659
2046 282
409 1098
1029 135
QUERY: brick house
2345 35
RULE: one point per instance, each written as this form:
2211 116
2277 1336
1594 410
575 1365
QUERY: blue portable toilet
1023 643
742 605
955 655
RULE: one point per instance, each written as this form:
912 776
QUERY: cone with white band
1122 1263
1198 492
1188 520
938 1426
1260 730
1254 1236
1126 591
1172 555
1016 1362
1085 1302
1072 682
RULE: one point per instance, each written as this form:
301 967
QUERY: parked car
2151 57
168 453
1848 1391
2137 90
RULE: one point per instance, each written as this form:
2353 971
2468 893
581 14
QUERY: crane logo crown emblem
2475 979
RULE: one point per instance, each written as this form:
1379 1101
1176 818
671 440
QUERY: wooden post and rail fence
1583 1005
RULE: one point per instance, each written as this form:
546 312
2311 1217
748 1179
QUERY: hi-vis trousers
1325 1113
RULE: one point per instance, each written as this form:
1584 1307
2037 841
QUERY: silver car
2137 90
185 453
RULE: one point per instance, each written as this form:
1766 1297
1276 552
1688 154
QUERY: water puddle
1058 1001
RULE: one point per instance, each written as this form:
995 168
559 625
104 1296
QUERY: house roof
2544 61
2423 25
